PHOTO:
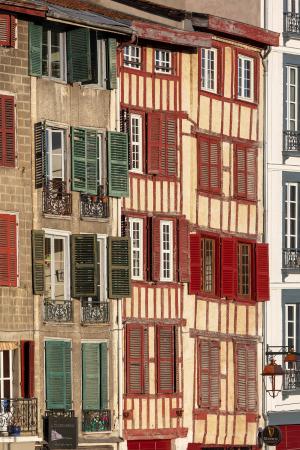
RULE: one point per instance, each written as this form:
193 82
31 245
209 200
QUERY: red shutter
203 177
12 31
251 174
8 250
7 131
204 358
155 249
217 266
165 359
27 369
155 137
240 172
31 369
23 369
214 374
171 144
215 167
209 374
5 30
228 268
241 377
135 344
262 272
251 378
183 250
195 264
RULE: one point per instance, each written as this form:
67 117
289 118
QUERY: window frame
131 61
253 77
294 307
203 239
139 143
204 80
62 52
287 234
10 378
240 274
170 251
49 130
140 221
161 64
289 102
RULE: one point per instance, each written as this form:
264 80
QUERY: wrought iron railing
291 379
94 311
95 206
58 310
18 413
96 420
55 198
291 258
291 141
60 412
292 22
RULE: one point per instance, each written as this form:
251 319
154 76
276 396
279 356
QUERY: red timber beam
23 7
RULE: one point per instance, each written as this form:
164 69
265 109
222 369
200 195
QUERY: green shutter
40 154
78 159
84 265
117 164
35 35
91 162
119 267
111 63
58 374
104 376
91 378
38 261
79 55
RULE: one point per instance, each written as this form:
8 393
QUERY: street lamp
273 378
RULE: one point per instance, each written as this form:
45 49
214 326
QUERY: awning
7 345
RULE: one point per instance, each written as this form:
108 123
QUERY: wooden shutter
203 177
117 164
195 264
183 250
103 376
251 378
228 267
27 369
91 162
166 358
125 128
209 374
8 250
214 374
214 166
78 137
240 172
40 153
7 30
251 173
35 49
135 359
204 359
58 374
171 144
111 63
246 382
91 378
79 55
84 265
155 142
7 131
119 267
155 248
38 261
262 272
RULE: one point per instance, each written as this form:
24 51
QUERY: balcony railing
94 312
95 206
60 412
291 258
291 379
55 198
58 310
291 141
292 22
18 413
96 420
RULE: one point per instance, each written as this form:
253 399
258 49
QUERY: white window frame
292 306
102 242
49 131
209 71
161 63
164 251
65 236
288 218
136 144
293 6
132 57
241 80
289 119
10 378
63 54
138 249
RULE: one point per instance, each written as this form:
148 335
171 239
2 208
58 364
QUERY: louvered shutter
251 173
31 369
241 374
262 272
91 162
183 250
251 378
165 360
146 360
203 181
27 369
228 267
195 264
91 377
214 166
40 153
135 366
78 137
204 360
156 249
104 376
171 144
155 142
38 261
35 49
79 55
241 175
7 29
214 373
7 131
8 250
84 265
111 63
58 374
117 164
119 267
23 368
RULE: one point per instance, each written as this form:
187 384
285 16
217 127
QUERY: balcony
94 206
18 416
58 310
94 312
291 259
56 200
292 23
291 141
291 380
96 420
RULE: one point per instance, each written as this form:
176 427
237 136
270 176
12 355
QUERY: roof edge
27 8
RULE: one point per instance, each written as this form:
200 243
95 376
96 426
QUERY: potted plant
13 428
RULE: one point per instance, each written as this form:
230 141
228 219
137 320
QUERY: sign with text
61 432
271 435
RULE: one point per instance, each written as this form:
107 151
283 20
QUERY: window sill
49 323
54 216
21 439
54 80
243 101
95 219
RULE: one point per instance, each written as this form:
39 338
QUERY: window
136 142
166 338
27 369
208 374
166 250
208 265
291 325
246 377
132 56
7 30
137 359
7 131
245 166
55 154
56 267
245 78
291 216
204 257
163 61
58 374
293 6
98 49
136 235
54 54
292 100
94 378
244 270
209 163
209 69
6 374
8 250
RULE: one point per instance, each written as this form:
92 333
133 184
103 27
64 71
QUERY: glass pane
290 313
57 154
290 328
47 268
55 54
6 386
45 69
59 269
6 371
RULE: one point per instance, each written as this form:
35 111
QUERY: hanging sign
271 435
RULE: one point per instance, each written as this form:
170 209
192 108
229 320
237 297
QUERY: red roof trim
24 8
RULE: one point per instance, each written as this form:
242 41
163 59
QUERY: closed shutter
171 144
91 377
84 160
183 250
27 369
58 374
137 371
251 174
166 358
38 261
241 374
104 376
228 267
119 267
251 378
111 63
203 180
79 55
204 358
117 164
7 30
8 250
214 167
209 374
35 49
262 272
240 176
40 154
84 265
91 162
195 264
7 131
156 249
155 142
214 374
31 369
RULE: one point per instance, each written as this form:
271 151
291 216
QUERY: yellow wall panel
229 434
136 413
167 423
254 136
172 97
223 387
226 184
165 196
230 378
150 303
242 218
223 355
252 223
135 294
226 119
172 197
126 87
251 433
252 320
204 112
159 413
143 301
142 195
222 429
213 316
216 119
201 315
133 89
231 318
228 72
225 216
245 122
150 195
149 60
226 154
134 195
211 433
158 303
199 430
240 429
215 213
232 215
152 413
157 194
157 94
223 318
203 211
235 119
241 319
164 94
149 93
141 92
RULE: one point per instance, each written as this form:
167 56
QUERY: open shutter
111 63
251 174
119 267
135 367
204 362
125 128
27 369
91 162
7 131
228 267
203 177
5 30
91 381
146 360
214 374
241 375
195 264
215 166
165 359
23 368
262 272
78 137
58 374
117 164
183 250
156 249
104 376
8 250
38 261
31 369
155 142
68 374
40 153
84 265
79 55
35 49
171 144
251 378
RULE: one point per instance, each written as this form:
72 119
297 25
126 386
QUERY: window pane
48 268
6 371
55 54
57 155
59 269
45 70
